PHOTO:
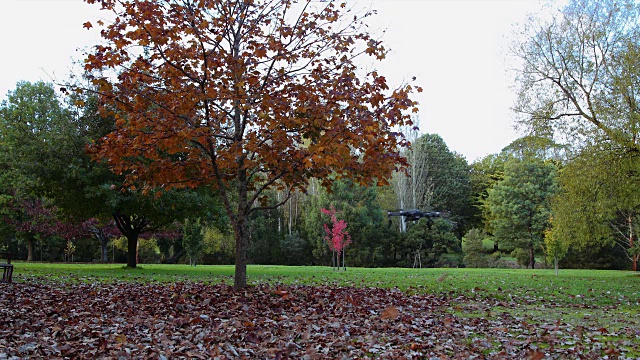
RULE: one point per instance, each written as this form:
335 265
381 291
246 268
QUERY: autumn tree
580 80
244 96
33 220
336 236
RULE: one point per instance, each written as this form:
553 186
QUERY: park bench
7 268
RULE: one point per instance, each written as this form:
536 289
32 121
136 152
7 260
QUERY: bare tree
411 188
577 77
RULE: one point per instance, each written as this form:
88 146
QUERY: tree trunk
241 230
532 254
333 260
29 249
104 250
634 258
104 244
532 257
131 227
242 244
344 267
132 249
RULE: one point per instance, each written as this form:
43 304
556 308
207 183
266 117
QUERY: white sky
455 48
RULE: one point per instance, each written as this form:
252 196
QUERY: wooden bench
7 268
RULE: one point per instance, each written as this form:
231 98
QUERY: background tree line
496 211
565 194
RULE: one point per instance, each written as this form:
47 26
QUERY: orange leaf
535 355
260 52
390 313
249 324
87 25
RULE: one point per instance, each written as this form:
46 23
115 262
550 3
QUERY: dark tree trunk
131 227
634 258
104 250
103 239
29 249
241 229
532 254
132 250
532 257
242 244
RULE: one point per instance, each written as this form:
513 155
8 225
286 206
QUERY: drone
413 215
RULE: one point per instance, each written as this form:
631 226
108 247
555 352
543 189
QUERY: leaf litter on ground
53 319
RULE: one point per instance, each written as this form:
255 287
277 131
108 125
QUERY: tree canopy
244 96
520 204
579 76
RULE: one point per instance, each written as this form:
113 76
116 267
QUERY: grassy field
569 287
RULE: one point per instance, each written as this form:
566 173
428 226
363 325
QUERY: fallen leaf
611 351
390 313
535 355
282 293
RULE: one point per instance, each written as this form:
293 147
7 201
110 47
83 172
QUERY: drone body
413 215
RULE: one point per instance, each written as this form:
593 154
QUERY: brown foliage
230 86
188 320
245 95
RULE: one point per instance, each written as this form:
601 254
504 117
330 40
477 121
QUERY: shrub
473 250
522 256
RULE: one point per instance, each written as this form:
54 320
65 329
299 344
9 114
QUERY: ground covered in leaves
121 320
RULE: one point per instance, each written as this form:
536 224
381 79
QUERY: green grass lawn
569 287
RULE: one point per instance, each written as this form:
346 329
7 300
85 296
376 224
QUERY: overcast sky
455 48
